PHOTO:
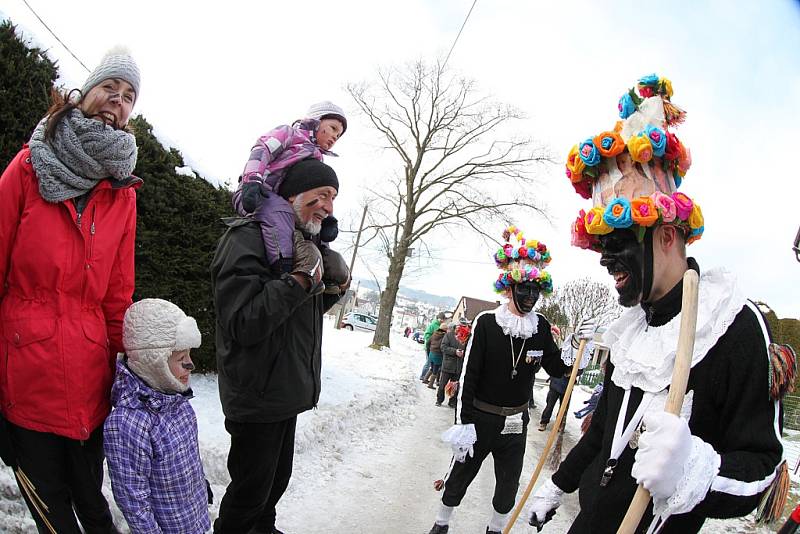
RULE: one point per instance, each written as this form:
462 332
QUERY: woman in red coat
67 231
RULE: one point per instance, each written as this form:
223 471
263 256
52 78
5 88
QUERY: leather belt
505 411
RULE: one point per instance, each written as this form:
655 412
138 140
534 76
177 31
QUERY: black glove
337 274
308 262
540 524
329 230
251 196
6 445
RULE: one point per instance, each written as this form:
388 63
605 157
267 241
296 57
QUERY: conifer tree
26 77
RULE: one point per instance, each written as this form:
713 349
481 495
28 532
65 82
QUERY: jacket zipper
277 244
91 232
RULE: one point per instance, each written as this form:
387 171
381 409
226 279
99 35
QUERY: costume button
88 266
16 338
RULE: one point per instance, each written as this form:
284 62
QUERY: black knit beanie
306 175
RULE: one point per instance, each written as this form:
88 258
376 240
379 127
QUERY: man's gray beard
312 227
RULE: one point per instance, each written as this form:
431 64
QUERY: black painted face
525 296
623 255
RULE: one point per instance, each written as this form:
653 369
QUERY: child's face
181 366
328 133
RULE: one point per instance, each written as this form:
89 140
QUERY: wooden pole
550 439
677 388
352 264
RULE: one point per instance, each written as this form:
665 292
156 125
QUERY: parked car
359 321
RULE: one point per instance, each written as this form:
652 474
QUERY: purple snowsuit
150 441
270 158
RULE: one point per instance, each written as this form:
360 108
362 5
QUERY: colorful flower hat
632 173
524 261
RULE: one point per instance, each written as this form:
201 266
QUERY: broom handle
677 388
561 410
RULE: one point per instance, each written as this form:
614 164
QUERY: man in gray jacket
268 338
452 362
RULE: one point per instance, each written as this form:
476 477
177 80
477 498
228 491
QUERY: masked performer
501 359
720 456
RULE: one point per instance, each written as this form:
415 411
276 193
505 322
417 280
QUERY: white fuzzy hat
327 110
151 331
117 63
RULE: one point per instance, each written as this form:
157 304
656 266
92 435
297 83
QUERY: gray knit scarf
82 152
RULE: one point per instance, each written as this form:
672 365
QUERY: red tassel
438 484
774 500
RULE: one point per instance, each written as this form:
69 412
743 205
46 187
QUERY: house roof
472 306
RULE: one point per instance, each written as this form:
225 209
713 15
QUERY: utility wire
459 33
56 36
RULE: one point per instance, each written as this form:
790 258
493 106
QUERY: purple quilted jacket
270 158
150 441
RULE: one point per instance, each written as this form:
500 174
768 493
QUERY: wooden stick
38 504
677 388
561 410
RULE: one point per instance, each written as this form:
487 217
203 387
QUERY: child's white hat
151 331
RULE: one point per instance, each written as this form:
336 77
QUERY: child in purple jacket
270 158
150 437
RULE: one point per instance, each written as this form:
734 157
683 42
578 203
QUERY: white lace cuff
699 472
461 439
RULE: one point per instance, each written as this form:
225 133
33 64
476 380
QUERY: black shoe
276 531
438 403
439 529
492 531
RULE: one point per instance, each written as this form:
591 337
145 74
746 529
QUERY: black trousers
444 378
552 397
68 476
507 451
260 465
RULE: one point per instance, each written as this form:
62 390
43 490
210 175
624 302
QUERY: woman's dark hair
61 103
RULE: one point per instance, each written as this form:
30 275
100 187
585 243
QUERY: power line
54 35
459 33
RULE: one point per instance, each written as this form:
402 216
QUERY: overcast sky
215 78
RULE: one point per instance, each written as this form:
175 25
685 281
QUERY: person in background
453 345
67 234
435 354
423 376
151 435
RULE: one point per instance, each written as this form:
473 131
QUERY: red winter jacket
66 283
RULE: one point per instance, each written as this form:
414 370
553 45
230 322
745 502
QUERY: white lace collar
643 356
521 327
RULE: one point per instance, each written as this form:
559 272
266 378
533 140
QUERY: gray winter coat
451 363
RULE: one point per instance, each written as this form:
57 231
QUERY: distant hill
415 294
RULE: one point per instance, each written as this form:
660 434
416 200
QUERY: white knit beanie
327 110
117 63
151 331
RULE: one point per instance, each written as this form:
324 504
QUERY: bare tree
455 170
581 299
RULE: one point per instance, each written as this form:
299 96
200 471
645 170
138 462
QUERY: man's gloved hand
584 330
329 229
543 504
251 196
337 274
308 262
461 439
664 448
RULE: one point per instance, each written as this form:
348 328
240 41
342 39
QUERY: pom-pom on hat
523 261
306 175
327 110
117 63
151 330
632 172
